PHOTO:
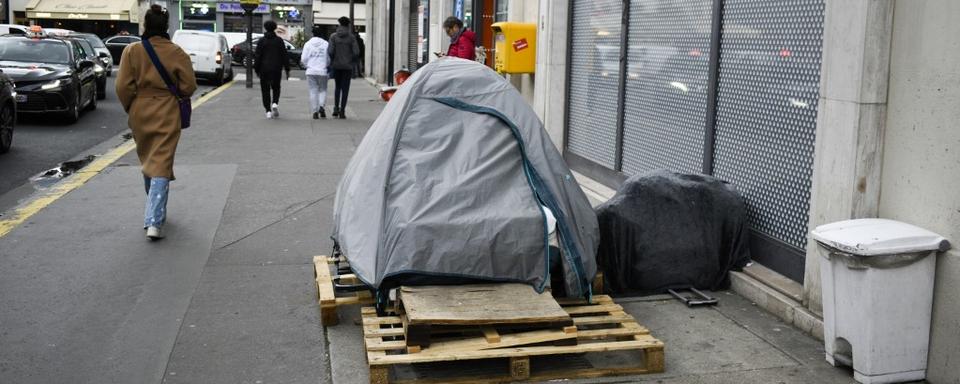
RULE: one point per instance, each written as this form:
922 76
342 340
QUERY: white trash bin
877 277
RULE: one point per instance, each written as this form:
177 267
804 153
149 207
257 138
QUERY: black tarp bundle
664 230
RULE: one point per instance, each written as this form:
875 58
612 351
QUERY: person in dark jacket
462 40
269 60
344 52
359 69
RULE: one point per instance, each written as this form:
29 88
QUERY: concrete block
856 48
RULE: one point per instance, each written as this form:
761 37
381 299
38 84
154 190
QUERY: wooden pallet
600 327
329 301
428 311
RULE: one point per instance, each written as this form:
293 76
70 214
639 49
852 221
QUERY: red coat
464 46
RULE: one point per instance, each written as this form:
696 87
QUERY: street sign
249 5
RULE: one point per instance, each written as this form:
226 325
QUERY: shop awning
118 10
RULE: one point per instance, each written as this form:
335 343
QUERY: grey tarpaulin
447 187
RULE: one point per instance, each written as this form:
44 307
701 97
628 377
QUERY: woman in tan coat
154 111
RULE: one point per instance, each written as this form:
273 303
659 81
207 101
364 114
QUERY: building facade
110 17
816 110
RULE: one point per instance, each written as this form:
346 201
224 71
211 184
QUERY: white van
13 29
208 52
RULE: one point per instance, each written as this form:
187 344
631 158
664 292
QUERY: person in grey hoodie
344 52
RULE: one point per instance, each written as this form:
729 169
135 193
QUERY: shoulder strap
159 66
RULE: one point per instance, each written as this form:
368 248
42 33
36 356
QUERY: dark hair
451 21
270 25
344 21
157 20
317 31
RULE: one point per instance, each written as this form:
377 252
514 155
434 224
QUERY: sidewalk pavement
229 296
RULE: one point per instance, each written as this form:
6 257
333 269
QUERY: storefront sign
237 8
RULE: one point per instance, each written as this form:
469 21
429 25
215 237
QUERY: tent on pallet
449 186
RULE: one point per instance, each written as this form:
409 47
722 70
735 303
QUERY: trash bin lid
871 237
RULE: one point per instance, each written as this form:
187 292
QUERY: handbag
186 105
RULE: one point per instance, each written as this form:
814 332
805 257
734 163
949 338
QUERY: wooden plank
598 299
479 304
382 320
654 360
353 300
608 319
380 345
588 309
374 331
592 334
515 352
324 282
508 340
490 334
379 375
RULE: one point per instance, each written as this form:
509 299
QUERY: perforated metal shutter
767 110
413 31
594 80
668 63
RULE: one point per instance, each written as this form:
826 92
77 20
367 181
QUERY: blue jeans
157 189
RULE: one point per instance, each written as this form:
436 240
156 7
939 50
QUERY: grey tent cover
448 184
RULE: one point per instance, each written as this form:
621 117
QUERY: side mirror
85 64
103 55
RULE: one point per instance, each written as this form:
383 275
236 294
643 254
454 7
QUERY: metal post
622 87
351 15
248 60
391 14
713 84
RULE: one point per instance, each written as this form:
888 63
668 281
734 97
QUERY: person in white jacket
315 59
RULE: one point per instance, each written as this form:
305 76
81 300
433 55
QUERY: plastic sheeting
664 230
448 187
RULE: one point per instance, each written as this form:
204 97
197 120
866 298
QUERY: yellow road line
26 210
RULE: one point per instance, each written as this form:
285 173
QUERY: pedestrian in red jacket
462 40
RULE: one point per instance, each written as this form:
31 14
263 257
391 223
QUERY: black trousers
270 81
341 79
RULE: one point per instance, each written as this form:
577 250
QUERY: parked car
116 44
8 111
293 53
208 52
103 54
51 75
91 54
234 38
13 29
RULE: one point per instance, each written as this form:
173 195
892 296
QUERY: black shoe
336 111
343 115
316 116
323 113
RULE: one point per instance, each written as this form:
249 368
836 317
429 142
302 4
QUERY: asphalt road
43 142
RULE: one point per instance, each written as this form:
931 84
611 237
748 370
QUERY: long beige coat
154 113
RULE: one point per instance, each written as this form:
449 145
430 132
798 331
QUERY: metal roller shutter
767 112
594 80
668 64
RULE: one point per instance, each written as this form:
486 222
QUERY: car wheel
7 122
73 113
92 106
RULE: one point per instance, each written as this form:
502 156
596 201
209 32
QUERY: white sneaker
269 115
154 233
276 110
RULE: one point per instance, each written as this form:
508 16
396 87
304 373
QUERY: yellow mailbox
516 47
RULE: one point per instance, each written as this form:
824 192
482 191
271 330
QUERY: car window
17 31
78 52
85 49
94 41
34 51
